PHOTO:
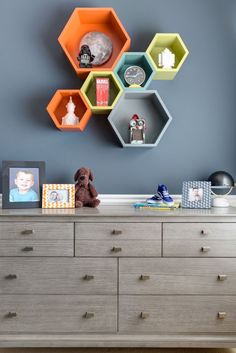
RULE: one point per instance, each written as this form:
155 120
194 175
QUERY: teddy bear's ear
76 175
90 175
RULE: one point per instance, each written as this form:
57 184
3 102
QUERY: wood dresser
118 277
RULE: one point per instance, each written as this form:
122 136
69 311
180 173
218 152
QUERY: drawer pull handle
10 315
222 277
88 315
144 277
28 248
27 231
144 315
11 276
116 232
88 277
205 249
222 315
203 232
116 249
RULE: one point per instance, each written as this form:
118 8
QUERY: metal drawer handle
203 232
222 315
88 315
28 248
27 231
10 315
144 315
205 249
222 277
144 277
88 277
115 249
11 276
116 232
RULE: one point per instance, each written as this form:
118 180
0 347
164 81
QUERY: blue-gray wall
201 99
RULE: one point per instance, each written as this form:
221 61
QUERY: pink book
102 91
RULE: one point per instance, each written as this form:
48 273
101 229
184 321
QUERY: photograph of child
58 196
24 184
195 194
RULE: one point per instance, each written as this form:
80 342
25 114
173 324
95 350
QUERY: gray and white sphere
100 46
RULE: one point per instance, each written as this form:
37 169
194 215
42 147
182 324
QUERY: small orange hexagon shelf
57 109
84 20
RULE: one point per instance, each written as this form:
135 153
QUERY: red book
102 91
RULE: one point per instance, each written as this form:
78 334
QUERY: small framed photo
196 194
22 184
58 196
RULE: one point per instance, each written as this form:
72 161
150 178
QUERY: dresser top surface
120 211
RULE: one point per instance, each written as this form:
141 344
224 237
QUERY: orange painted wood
57 109
84 20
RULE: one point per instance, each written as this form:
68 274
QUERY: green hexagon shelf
130 59
173 42
89 91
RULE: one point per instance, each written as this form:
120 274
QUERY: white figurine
166 59
70 118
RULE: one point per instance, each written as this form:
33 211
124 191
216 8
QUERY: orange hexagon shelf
84 20
57 109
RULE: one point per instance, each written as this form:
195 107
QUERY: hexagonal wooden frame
84 20
57 109
148 105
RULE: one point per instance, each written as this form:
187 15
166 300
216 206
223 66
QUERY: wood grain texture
174 314
56 313
127 248
177 276
127 231
40 231
58 276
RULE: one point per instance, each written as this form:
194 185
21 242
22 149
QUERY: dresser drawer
178 276
57 313
117 248
36 231
58 276
199 239
31 248
154 314
118 231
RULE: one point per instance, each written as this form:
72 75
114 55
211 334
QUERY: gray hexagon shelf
148 105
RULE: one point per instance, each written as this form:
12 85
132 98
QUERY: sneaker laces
165 193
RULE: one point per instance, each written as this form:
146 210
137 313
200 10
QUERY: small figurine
85 192
85 57
166 59
70 118
137 128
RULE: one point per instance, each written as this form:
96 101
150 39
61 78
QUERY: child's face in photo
24 181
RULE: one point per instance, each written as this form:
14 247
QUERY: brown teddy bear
85 192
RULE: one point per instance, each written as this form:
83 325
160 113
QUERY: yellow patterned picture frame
58 196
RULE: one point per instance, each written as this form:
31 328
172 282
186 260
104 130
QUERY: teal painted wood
134 58
149 106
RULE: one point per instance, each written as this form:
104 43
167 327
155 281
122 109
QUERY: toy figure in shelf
102 91
85 57
100 46
137 128
166 59
70 118
85 192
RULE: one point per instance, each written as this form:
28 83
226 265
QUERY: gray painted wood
117 248
177 276
56 313
177 314
117 231
58 276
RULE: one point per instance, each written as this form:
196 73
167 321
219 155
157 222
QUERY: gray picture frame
196 194
6 166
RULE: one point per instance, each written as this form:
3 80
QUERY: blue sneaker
163 191
155 199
